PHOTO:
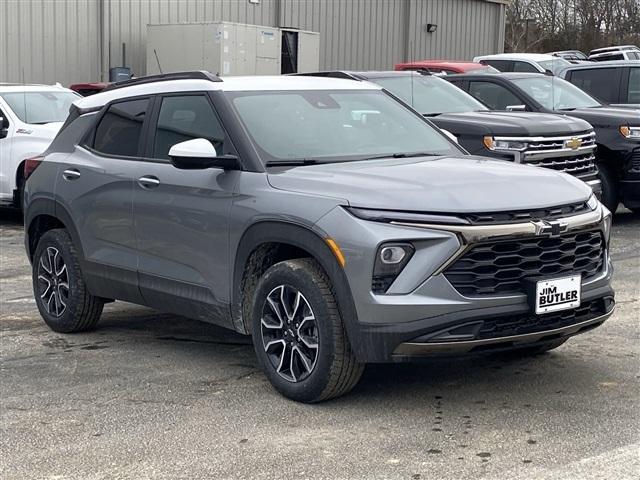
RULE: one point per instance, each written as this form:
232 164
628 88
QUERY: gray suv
321 216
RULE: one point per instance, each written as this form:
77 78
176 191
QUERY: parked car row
328 218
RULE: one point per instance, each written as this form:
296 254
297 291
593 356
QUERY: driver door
181 216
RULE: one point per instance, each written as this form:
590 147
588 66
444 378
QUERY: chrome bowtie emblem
553 229
573 143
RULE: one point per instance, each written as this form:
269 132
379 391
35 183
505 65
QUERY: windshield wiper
403 155
431 114
567 109
292 163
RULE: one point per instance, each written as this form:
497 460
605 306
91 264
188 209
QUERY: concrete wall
78 40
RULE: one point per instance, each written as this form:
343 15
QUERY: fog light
392 255
390 261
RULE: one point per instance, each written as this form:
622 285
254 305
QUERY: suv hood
435 184
511 123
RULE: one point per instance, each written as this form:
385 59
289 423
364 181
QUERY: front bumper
422 305
630 193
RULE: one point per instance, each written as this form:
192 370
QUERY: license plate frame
557 294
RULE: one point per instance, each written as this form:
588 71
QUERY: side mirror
516 108
200 154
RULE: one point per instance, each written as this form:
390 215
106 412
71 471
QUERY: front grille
578 165
500 267
588 139
528 215
529 323
635 162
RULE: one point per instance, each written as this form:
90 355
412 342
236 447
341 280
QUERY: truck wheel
59 289
299 335
609 188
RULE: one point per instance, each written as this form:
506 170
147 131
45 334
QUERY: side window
634 85
602 83
502 65
4 125
495 96
185 118
634 55
524 67
120 129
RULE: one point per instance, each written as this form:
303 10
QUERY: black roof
366 75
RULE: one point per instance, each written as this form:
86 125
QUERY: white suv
623 52
30 117
524 62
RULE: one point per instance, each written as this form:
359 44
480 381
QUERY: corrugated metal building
71 41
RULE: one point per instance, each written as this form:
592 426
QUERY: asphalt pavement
150 395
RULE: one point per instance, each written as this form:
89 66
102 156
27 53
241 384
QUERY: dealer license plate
558 294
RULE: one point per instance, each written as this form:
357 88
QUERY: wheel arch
43 215
268 242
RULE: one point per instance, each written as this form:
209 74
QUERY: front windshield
555 94
336 125
40 107
555 65
430 95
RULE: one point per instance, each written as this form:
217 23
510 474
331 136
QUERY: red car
86 89
447 67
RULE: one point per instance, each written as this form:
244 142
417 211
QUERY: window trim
88 140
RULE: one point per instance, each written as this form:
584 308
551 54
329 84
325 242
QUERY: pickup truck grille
579 165
499 267
587 139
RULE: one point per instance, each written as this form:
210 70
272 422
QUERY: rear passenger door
95 187
181 216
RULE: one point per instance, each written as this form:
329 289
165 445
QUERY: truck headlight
391 258
630 132
509 145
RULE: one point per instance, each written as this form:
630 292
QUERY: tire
61 294
610 195
286 335
19 199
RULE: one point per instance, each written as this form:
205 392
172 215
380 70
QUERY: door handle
148 181
71 174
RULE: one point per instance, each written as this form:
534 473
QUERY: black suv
538 139
617 129
616 83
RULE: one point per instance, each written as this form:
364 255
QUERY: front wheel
298 333
609 183
61 295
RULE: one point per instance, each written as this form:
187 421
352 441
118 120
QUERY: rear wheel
299 335
609 188
59 288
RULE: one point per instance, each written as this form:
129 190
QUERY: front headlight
607 220
593 202
630 132
492 143
391 258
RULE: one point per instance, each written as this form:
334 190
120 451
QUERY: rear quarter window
119 131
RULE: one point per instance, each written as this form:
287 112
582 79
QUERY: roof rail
165 77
